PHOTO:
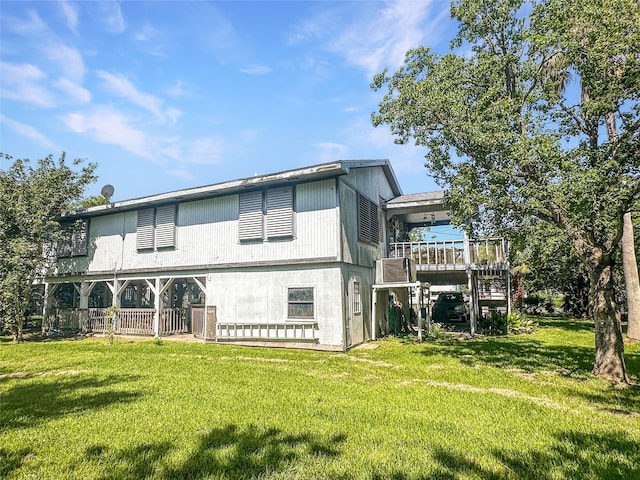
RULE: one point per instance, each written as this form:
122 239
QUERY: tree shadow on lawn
533 356
574 455
565 323
527 354
31 402
228 452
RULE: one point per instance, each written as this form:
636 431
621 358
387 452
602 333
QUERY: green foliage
31 200
518 323
495 323
91 201
513 139
517 406
111 316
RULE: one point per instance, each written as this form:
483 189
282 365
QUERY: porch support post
420 319
157 303
83 314
49 290
374 316
472 301
509 306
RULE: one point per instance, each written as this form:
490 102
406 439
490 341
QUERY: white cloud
31 26
106 125
70 13
75 92
68 60
329 152
120 86
375 39
256 70
28 132
181 173
203 151
146 34
111 15
22 83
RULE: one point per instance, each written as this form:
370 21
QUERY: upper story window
368 222
156 228
266 214
74 239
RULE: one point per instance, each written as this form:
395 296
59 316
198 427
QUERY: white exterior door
355 330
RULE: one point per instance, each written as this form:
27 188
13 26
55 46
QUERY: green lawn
496 408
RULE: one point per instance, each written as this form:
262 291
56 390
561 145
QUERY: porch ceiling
416 209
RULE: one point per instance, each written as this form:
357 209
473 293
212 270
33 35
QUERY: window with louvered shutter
74 239
280 212
144 232
368 221
250 216
166 226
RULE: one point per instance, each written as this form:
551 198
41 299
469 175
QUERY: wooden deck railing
283 331
453 254
129 321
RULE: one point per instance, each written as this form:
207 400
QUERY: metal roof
314 172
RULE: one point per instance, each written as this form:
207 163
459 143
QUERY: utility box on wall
395 270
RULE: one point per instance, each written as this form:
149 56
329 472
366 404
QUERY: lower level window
300 302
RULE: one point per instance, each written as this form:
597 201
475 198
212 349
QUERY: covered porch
155 307
477 267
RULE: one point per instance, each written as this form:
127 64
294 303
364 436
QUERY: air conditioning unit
395 270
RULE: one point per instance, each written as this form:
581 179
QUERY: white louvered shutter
166 226
280 212
144 232
250 217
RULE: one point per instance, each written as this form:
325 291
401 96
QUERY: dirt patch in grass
21 375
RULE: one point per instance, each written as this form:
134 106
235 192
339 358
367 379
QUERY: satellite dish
107 191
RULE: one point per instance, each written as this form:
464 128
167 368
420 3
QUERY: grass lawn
521 407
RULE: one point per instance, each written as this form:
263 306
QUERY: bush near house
505 407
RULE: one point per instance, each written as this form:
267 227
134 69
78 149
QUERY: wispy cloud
76 93
28 132
181 173
120 86
67 60
106 125
70 13
112 17
22 82
329 152
256 70
374 39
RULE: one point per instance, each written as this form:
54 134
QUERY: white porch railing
284 331
172 321
135 321
453 254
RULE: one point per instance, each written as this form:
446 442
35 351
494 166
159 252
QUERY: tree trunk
631 282
609 355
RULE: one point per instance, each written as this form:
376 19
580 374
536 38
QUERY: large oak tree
534 113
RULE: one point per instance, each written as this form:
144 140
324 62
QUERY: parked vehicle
450 308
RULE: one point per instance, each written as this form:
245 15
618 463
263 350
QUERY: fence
128 321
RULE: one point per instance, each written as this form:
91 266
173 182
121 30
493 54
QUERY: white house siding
259 295
207 235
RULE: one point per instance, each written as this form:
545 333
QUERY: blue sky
171 95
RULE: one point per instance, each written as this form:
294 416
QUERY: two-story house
285 258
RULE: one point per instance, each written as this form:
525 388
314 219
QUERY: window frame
74 240
297 302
